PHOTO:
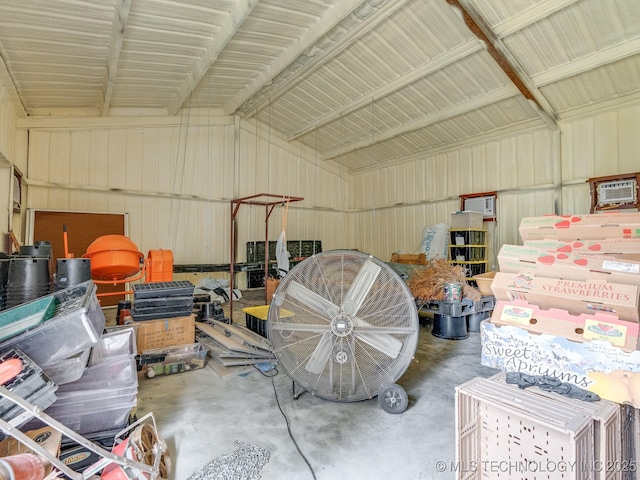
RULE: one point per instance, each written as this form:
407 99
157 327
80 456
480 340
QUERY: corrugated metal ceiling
364 82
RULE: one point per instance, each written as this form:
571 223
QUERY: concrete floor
201 415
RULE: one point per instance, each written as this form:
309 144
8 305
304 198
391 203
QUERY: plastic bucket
28 272
72 271
450 328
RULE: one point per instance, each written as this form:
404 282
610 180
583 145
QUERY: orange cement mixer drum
113 257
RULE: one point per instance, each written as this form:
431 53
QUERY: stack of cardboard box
568 303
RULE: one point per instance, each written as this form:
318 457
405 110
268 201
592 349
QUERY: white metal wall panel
176 183
604 143
7 125
521 168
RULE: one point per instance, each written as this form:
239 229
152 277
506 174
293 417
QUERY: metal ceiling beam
115 47
335 32
530 16
506 61
7 81
459 52
439 116
236 17
589 62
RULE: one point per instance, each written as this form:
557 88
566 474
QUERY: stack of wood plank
233 349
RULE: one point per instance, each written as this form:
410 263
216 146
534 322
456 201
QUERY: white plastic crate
607 417
630 441
507 433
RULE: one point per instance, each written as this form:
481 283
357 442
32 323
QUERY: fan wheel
393 399
342 323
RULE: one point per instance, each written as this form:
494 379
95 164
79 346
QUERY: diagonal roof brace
519 79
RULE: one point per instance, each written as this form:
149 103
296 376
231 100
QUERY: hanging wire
315 189
269 147
178 179
210 165
342 187
178 188
373 204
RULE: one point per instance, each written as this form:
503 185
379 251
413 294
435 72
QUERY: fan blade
320 354
300 327
360 287
312 299
387 344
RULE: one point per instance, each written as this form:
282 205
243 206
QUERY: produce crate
467 237
457 309
468 253
296 249
504 432
630 442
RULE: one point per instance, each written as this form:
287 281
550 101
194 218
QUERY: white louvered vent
617 192
484 205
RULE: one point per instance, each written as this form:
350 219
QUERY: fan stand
296 394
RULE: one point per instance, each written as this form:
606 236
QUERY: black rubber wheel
393 399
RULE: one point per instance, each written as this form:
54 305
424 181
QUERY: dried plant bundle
428 283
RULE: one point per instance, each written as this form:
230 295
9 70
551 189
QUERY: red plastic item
9 369
25 466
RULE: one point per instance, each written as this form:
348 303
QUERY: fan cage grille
352 368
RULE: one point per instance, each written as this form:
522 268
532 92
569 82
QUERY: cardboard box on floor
536 261
271 287
590 296
168 332
594 365
583 227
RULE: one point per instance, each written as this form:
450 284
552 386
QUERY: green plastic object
23 317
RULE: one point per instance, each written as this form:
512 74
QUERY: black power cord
275 393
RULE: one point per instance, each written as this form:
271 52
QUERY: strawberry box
569 266
580 328
582 227
592 364
624 248
589 296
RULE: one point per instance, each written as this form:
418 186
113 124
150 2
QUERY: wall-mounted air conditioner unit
617 192
485 205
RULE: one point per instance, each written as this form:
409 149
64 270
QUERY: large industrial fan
344 326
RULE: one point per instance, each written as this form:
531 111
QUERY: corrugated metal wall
396 203
535 173
175 183
7 160
598 144
7 125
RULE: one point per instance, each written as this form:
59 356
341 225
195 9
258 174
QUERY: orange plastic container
159 266
113 257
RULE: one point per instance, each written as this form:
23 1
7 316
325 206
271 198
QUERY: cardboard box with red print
581 227
590 296
540 262
580 328
625 248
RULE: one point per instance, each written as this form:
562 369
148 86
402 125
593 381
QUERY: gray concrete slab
201 415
